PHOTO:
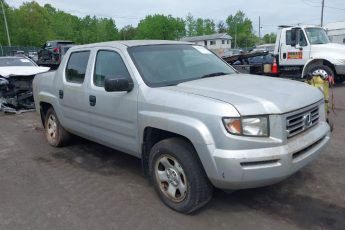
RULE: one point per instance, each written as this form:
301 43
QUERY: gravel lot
88 186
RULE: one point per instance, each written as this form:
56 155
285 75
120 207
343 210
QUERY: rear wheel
56 135
178 176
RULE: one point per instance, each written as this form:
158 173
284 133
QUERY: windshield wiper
214 74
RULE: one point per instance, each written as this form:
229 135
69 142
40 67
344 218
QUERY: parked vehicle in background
16 76
264 47
19 53
194 121
33 55
52 52
305 50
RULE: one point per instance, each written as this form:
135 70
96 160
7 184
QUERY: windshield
15 62
164 65
317 36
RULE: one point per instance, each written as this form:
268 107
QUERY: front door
296 55
113 114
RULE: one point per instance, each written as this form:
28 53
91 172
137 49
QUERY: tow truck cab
305 49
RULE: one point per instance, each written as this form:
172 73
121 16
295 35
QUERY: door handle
92 100
61 94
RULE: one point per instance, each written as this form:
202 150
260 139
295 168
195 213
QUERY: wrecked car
16 76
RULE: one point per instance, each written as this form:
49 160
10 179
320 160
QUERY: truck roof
130 43
302 26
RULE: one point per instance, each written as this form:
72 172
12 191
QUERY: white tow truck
299 51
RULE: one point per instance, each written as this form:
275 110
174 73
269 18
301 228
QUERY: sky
271 12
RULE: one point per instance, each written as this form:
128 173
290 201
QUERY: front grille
300 122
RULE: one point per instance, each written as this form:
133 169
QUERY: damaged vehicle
16 76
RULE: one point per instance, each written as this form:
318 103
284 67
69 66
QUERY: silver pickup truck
194 122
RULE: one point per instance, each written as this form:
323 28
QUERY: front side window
109 64
164 65
288 37
76 67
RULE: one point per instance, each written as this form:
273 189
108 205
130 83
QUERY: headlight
247 126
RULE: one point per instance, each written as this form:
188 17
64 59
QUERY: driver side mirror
118 85
294 33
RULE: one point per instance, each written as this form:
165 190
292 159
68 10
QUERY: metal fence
12 50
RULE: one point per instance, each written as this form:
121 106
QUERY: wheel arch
44 106
316 62
151 136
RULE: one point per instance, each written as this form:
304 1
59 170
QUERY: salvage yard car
194 122
52 52
16 76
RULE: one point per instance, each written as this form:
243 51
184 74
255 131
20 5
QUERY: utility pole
323 6
5 20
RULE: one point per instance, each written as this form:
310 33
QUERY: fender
314 62
191 128
50 99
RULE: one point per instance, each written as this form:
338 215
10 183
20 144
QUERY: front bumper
238 169
340 69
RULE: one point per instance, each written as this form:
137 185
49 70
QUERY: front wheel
178 176
323 71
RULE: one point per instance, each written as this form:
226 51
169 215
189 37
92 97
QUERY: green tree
190 25
241 29
221 27
161 27
199 27
30 25
128 33
209 26
269 38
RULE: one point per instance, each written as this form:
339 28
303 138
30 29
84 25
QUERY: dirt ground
88 186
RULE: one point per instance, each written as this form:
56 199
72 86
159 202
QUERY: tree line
32 25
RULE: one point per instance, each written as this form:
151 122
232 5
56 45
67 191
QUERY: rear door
114 115
73 96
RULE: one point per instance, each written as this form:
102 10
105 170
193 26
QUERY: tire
178 176
56 135
323 70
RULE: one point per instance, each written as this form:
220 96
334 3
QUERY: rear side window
109 64
76 67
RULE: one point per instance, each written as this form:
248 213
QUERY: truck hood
21 70
333 50
254 95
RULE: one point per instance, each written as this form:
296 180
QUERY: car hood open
254 95
22 70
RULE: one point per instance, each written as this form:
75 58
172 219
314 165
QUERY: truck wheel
56 135
322 70
178 176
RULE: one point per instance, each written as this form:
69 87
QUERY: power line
310 3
